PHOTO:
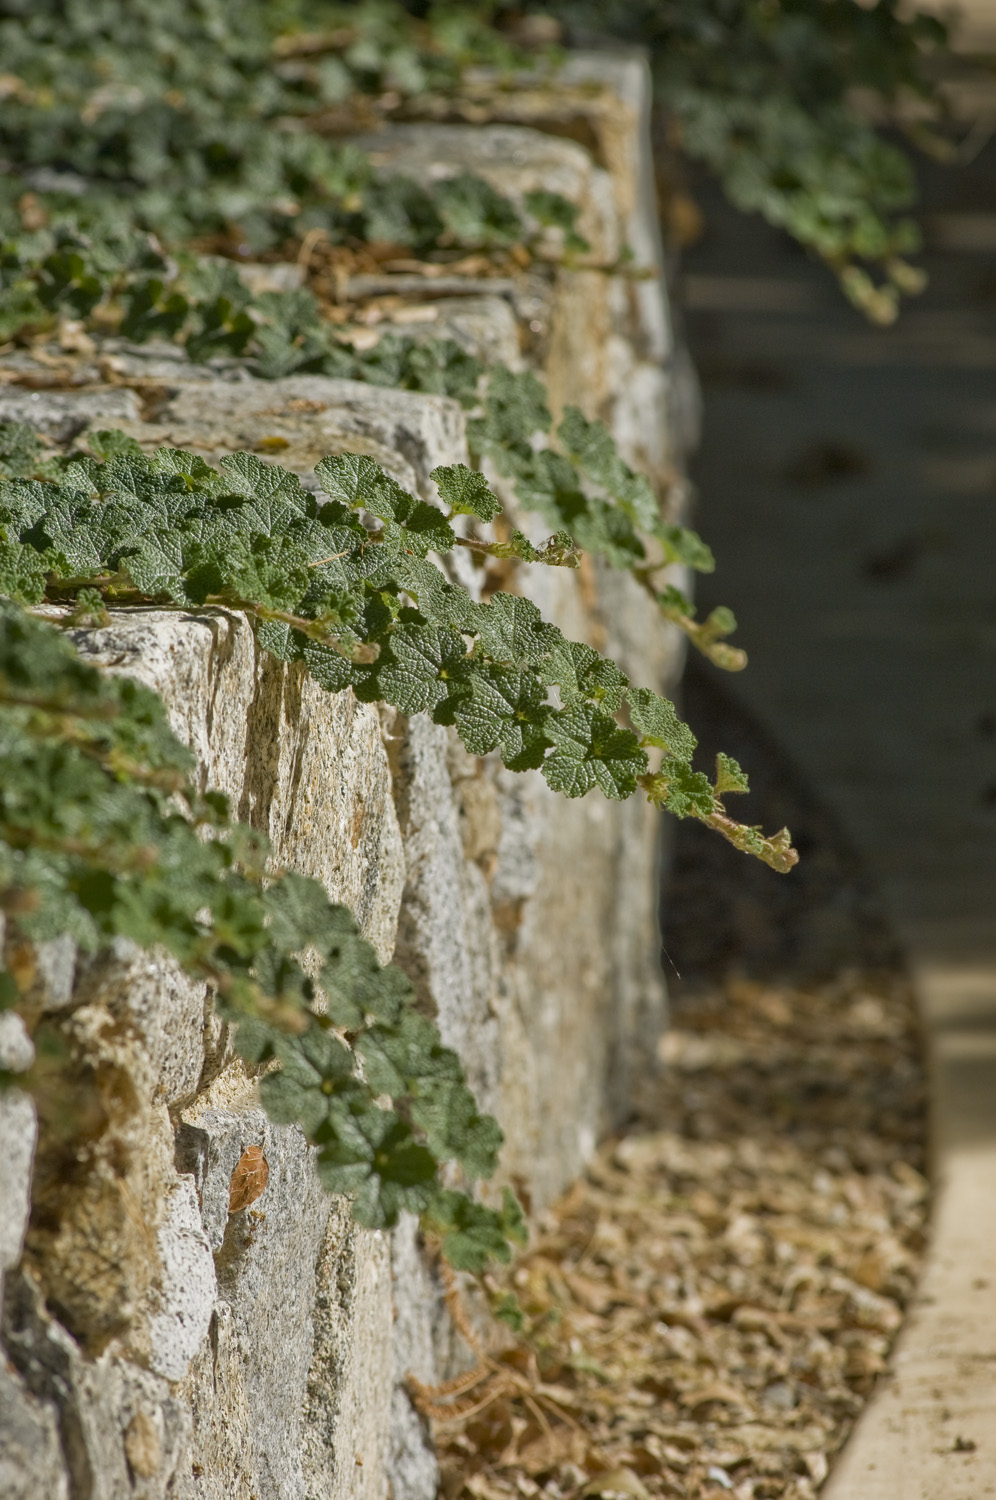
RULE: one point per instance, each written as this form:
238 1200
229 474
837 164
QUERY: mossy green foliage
209 122
184 117
136 136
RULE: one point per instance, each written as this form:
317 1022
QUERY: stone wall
156 1345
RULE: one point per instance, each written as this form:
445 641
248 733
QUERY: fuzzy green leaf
312 1067
590 749
471 1234
465 491
512 631
374 1156
683 545
593 449
657 720
687 793
580 672
397 1056
454 1127
22 573
505 710
729 776
421 667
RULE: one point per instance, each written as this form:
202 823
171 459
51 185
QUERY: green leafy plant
764 93
98 814
577 480
103 834
346 585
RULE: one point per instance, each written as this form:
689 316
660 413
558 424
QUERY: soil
706 1312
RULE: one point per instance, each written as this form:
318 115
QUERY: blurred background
847 481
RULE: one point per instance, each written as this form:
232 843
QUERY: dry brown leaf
252 1172
616 1484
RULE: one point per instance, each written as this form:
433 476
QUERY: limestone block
484 326
420 1326
574 308
306 417
186 1290
352 1383
595 1000
31 1461
99 1186
63 416
209 1143
168 1012
513 159
121 1430
18 1132
612 90
51 987
266 1267
16 1048
307 768
601 100
611 346
274 1324
446 941
221 1421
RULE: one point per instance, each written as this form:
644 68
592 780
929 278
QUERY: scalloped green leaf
504 710
465 491
590 749
421 667
657 721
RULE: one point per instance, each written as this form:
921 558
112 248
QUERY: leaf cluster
345 582
191 118
103 835
199 127
212 120
763 92
210 310
577 480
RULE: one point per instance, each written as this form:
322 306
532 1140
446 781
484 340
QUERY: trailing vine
104 835
344 582
90 836
794 106
577 480
149 153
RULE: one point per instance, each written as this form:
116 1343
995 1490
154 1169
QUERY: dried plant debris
706 1312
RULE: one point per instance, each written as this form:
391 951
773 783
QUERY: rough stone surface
159 1345
187 1285
31 1462
18 1134
64 417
